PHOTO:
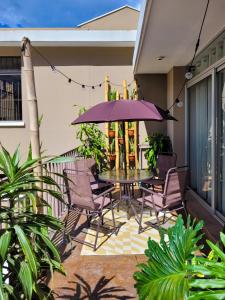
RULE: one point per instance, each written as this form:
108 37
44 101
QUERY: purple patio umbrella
123 110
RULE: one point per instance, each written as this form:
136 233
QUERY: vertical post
31 98
32 104
125 97
136 128
107 90
116 138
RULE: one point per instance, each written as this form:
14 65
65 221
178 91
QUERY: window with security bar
10 89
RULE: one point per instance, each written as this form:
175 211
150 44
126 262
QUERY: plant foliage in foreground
26 252
174 272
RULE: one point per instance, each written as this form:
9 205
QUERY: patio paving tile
114 274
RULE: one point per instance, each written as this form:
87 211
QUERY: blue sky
55 13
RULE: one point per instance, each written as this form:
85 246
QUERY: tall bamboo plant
26 252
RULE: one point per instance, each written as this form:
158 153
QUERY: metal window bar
10 98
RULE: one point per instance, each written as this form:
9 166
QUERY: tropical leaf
27 249
4 244
25 277
165 275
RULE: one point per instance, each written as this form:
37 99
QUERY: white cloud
10 13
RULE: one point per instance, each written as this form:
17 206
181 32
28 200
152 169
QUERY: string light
190 69
69 79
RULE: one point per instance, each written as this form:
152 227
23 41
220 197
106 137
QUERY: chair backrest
175 185
165 161
78 189
87 165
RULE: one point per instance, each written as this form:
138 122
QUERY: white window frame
12 123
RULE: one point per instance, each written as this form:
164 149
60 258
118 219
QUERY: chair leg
120 198
97 232
141 216
113 217
164 217
157 217
185 210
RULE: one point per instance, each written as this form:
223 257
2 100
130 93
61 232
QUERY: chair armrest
151 192
104 193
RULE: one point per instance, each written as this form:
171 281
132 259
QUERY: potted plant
131 129
112 95
120 135
157 143
112 130
92 143
132 151
26 251
112 155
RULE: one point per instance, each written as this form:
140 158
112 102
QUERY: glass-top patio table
128 177
126 181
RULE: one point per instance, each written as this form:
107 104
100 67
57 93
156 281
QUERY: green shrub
93 142
26 252
157 143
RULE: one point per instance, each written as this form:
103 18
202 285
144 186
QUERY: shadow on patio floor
83 290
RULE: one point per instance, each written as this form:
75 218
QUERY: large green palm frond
209 280
165 275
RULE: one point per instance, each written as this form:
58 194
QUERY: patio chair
89 165
82 199
165 161
172 198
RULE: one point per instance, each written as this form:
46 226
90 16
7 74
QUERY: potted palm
120 136
131 129
112 130
132 150
112 155
26 251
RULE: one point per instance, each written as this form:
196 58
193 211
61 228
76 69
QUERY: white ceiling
170 28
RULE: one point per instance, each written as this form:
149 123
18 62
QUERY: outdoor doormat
127 241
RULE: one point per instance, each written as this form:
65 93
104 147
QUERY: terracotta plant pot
131 157
111 133
112 157
120 140
131 132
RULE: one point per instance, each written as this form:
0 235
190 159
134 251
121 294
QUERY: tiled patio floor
99 275
102 276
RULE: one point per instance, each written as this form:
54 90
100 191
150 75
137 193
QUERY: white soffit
170 28
69 37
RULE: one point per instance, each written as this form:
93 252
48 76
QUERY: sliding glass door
200 138
220 203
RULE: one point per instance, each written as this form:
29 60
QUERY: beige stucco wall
56 97
176 130
124 19
153 87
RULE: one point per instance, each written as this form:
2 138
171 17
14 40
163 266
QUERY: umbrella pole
124 148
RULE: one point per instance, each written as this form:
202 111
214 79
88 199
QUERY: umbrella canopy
123 110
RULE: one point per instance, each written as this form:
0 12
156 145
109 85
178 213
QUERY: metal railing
58 208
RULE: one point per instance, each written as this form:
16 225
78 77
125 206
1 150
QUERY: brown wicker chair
82 198
171 199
